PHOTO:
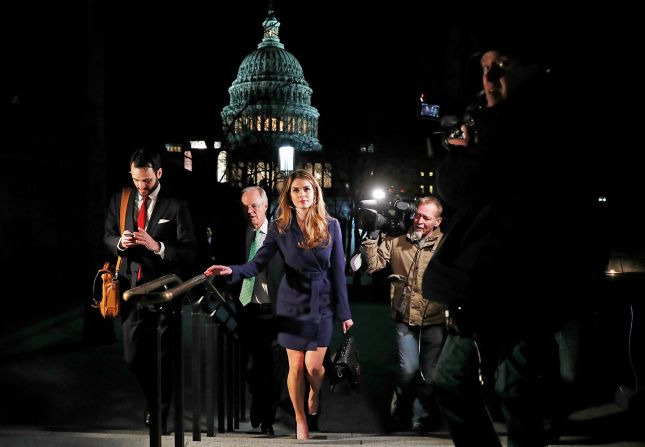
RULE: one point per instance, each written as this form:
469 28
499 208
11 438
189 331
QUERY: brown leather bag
106 290
108 281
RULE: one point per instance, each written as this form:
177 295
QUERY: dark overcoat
313 289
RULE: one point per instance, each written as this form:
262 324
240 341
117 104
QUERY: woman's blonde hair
315 228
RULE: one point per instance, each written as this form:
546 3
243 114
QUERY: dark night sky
366 65
168 68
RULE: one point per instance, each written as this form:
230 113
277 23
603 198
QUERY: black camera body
392 217
454 123
451 123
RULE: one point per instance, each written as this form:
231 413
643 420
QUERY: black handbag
345 364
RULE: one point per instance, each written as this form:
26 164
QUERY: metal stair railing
147 294
221 316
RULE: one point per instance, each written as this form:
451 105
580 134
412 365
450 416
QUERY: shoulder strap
125 196
436 244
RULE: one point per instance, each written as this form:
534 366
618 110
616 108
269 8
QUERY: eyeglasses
255 206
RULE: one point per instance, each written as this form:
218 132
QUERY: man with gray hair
267 364
419 323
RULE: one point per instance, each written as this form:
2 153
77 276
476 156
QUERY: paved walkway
44 438
56 391
15 438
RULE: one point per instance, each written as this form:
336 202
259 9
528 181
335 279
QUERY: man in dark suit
159 239
267 363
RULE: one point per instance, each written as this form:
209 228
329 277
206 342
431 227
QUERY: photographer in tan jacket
419 322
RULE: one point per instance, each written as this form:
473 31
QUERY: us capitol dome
270 102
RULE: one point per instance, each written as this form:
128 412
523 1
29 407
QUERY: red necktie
141 223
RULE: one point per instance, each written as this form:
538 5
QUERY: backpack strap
96 285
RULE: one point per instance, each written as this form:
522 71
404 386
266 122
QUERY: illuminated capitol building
270 126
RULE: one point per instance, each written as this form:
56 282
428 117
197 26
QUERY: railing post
210 377
242 378
196 319
155 411
230 379
221 381
176 307
236 385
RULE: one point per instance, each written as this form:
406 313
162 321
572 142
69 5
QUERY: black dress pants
266 362
139 350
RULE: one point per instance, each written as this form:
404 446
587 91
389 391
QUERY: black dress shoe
419 429
255 416
147 419
267 429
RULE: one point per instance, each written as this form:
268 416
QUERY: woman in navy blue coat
312 291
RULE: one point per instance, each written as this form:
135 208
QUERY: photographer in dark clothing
493 267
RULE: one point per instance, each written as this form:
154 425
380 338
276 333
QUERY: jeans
419 349
458 392
568 341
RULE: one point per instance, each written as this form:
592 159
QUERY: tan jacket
408 260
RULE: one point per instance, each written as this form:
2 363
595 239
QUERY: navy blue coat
313 289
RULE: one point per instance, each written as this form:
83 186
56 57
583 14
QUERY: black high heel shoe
312 419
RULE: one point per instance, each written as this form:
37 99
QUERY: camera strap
415 261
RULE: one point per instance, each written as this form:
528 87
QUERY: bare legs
296 386
305 365
315 375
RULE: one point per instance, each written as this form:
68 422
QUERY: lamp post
286 162
286 159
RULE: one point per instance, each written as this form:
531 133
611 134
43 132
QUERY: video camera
451 123
392 217
375 216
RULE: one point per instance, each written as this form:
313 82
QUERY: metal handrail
144 293
224 318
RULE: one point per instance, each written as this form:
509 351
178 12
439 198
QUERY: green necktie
247 285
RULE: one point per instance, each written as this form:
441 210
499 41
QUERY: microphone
403 205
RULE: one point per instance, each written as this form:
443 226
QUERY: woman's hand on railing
218 270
